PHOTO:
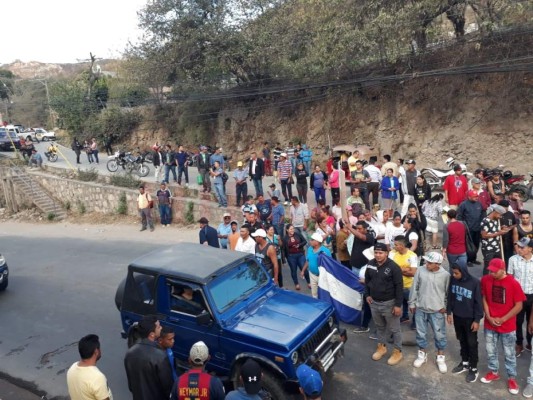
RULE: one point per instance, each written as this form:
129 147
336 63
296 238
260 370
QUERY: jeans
146 218
476 238
221 195
164 214
296 261
286 188
302 192
90 157
367 314
95 155
508 341
524 313
169 168
467 340
241 193
307 166
258 185
386 322
183 169
459 259
320 193
437 321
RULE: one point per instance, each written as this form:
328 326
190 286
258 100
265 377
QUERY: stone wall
104 198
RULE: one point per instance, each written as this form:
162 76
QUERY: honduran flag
341 288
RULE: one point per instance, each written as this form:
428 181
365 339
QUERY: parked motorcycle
435 177
513 183
129 163
51 154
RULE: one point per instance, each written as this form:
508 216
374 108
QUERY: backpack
224 177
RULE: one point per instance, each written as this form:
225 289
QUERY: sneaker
461 367
286 203
373 336
361 329
528 391
528 347
380 352
519 349
143 229
491 376
512 386
421 359
472 375
441 364
395 357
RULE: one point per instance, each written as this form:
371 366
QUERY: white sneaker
441 363
421 359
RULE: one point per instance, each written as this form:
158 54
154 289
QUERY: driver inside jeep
182 300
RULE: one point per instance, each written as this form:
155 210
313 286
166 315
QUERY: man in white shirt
299 215
245 243
375 179
84 379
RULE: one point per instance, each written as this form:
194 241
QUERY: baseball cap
199 353
380 247
226 214
433 257
496 208
472 193
239 164
310 380
283 155
251 376
457 168
410 162
496 264
524 242
317 236
475 180
260 233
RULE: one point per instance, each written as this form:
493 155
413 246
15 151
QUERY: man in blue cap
310 382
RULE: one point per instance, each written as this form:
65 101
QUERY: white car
44 135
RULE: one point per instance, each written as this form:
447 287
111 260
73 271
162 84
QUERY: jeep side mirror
203 319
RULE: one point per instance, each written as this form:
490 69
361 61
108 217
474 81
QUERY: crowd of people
154 374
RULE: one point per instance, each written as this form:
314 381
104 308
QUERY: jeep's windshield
237 284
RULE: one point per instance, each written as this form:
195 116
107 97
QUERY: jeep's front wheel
120 293
272 387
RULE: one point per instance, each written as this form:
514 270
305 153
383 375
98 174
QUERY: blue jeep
228 300
4 273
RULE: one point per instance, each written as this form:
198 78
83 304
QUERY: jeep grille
308 348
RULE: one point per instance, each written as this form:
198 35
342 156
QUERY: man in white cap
428 297
266 252
311 261
285 172
491 233
241 187
196 383
224 230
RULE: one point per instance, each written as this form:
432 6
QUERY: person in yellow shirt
84 379
144 206
352 160
408 262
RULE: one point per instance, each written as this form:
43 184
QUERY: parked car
44 135
4 273
228 300
8 140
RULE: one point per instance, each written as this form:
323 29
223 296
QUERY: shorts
433 225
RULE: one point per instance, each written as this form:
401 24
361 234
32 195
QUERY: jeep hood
281 318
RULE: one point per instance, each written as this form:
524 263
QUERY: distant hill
36 69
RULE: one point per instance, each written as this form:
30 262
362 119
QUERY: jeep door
186 312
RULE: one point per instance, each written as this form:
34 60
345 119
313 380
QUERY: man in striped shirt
521 267
290 155
284 176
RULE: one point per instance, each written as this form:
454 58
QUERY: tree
6 84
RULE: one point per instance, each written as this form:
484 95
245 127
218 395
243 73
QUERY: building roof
194 262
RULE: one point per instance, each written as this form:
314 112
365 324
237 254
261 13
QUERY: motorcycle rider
455 188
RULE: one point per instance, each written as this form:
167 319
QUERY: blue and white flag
341 288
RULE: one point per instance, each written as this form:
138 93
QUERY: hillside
36 69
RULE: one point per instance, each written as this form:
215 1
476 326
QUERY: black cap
251 376
380 247
457 168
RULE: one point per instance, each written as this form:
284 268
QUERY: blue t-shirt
264 209
312 258
224 229
181 158
240 394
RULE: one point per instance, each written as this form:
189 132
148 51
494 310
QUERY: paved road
62 287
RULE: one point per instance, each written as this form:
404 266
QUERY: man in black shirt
384 293
363 239
208 234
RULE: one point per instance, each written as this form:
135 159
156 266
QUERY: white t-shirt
246 246
374 172
87 383
392 232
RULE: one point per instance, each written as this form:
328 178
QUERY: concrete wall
103 198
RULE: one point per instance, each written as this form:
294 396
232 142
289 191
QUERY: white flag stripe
339 291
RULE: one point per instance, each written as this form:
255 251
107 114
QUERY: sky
65 31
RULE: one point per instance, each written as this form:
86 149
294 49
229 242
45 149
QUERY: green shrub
125 180
68 205
122 208
81 207
189 214
89 175
50 216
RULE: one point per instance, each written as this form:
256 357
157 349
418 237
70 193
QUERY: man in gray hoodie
429 297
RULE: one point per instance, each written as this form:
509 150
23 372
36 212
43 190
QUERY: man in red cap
455 188
502 301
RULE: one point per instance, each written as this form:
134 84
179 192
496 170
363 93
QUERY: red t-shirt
456 186
457 238
501 296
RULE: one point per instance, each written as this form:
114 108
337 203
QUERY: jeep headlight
2 260
331 321
294 357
